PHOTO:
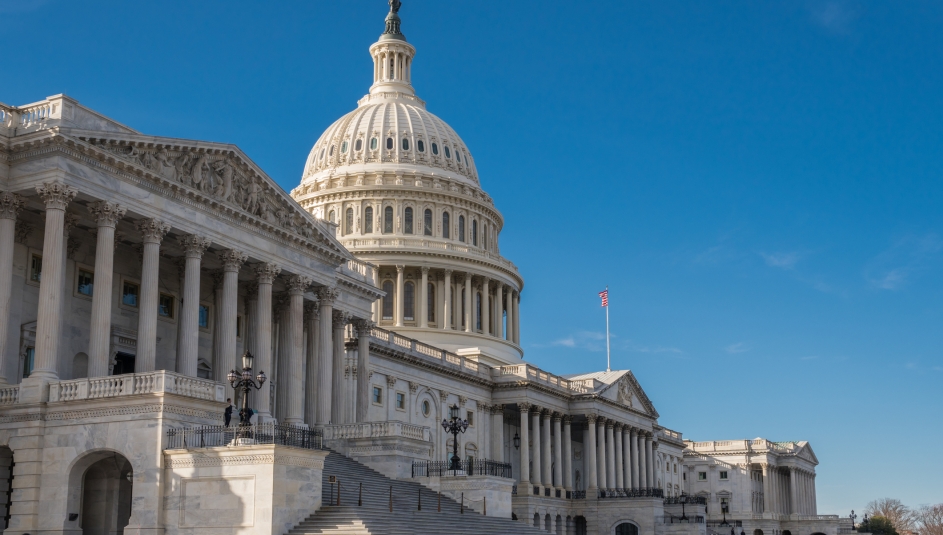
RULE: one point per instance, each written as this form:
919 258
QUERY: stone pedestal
489 495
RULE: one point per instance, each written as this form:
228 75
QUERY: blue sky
759 183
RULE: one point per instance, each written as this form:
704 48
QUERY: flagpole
607 332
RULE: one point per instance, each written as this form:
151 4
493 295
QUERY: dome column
499 310
447 296
424 299
400 305
485 307
468 303
516 303
509 336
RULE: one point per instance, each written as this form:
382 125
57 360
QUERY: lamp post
455 425
867 523
852 516
246 383
684 500
517 441
724 507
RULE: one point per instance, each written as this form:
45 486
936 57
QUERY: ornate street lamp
724 507
517 441
867 523
684 500
455 426
246 383
852 516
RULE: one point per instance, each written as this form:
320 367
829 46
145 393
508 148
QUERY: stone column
188 328
340 320
499 310
447 296
509 335
557 452
152 232
106 215
250 335
364 332
280 312
525 450
221 363
546 475
265 276
589 449
485 306
649 462
517 317
793 492
56 197
766 493
626 457
497 433
617 445
610 456
535 476
399 312
601 454
326 298
469 309
294 381
642 461
633 457
228 310
312 363
567 454
10 206
424 298
815 501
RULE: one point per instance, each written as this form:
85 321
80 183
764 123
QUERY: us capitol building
135 271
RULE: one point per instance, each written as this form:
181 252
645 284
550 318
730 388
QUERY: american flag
605 297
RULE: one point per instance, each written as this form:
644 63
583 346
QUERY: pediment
806 453
627 392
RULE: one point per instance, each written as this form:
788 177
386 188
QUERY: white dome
390 128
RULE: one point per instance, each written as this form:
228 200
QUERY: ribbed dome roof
390 128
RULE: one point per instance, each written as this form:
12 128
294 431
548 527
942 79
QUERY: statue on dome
395 5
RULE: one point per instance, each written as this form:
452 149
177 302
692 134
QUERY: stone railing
444 357
9 395
359 269
160 381
669 435
532 373
743 445
392 243
376 429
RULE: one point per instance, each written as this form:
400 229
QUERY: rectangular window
723 474
702 476
28 361
165 306
378 395
400 401
471 418
84 285
36 268
204 318
130 293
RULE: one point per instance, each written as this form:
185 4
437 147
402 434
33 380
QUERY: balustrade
160 381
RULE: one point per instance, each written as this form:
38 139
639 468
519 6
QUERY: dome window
331 216
447 153
389 143
405 143
388 220
466 160
435 149
373 143
461 228
427 222
368 220
445 225
388 300
358 145
331 152
344 147
474 232
349 221
408 220
421 146
322 155
409 301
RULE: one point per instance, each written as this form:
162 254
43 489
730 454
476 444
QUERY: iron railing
578 494
647 492
685 499
209 436
692 519
722 524
468 466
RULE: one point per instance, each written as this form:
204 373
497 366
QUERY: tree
899 515
930 519
879 525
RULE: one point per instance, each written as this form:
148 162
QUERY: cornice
431 253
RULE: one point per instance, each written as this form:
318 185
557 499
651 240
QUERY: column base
35 389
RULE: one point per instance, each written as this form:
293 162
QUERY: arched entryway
100 491
757 531
580 525
6 484
626 528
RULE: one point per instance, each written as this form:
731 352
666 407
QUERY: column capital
252 289
546 413
413 387
462 400
232 259
69 221
524 407
391 381
327 295
447 272
311 310
10 205
610 424
266 273
425 270
340 318
591 418
363 327
106 213
567 419
56 196
193 246
297 284
556 416
459 277
618 426
152 230
443 396
400 268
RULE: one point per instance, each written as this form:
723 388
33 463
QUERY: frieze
241 460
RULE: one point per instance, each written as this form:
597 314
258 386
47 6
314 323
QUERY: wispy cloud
835 16
781 260
565 342
896 267
739 347
586 340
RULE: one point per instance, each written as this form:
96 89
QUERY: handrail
159 381
467 467
646 492
208 436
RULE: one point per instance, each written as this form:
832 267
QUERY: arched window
349 221
388 220
409 301
388 300
475 232
389 143
420 145
445 225
461 228
427 222
321 157
331 217
477 311
435 149
344 147
358 145
447 153
373 143
484 236
405 143
331 152
430 303
626 529
368 220
408 220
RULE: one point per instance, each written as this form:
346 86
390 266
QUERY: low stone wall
240 490
489 495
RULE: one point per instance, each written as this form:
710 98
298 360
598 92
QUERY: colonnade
413 305
616 456
788 490
298 405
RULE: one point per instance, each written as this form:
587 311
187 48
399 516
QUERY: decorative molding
106 214
327 295
56 196
204 460
10 205
152 230
266 272
22 231
297 284
193 246
232 259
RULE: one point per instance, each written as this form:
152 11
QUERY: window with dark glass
475 232
349 221
36 268
435 149
368 220
373 143
461 228
463 309
445 225
447 153
405 143
204 317
388 300
331 152
344 147
421 146
389 143
408 220
430 303
477 311
409 301
358 145
165 306
129 294
85 284
400 401
427 222
388 220
29 361
378 395
322 154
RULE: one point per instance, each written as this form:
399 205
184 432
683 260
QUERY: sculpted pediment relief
627 392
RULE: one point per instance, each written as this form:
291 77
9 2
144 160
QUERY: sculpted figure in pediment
224 172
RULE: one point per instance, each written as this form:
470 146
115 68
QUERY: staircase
374 516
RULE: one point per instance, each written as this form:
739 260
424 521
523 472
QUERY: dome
389 129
